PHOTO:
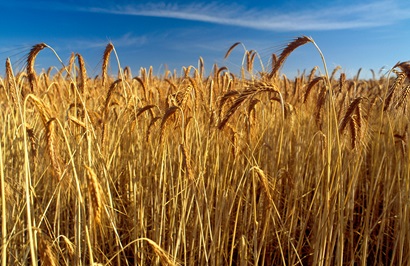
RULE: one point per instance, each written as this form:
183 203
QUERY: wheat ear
319 106
96 195
170 111
404 94
83 74
354 130
187 163
47 254
405 67
401 76
149 128
33 145
106 58
241 98
231 49
332 76
50 136
287 51
31 73
311 85
201 68
109 94
11 82
265 183
312 73
352 107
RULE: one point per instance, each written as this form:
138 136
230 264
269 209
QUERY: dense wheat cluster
193 169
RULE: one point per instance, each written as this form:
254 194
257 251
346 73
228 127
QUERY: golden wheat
83 74
106 58
31 73
195 169
96 199
287 51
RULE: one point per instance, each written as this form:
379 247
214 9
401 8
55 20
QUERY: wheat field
252 168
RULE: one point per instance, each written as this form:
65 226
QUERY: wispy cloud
125 40
363 15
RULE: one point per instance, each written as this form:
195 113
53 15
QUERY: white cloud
357 15
125 40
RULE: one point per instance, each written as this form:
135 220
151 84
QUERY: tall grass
197 170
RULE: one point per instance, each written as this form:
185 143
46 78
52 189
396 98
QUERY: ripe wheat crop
252 168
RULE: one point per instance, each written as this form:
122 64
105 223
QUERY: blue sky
353 34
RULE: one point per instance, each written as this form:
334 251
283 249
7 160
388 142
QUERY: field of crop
192 169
